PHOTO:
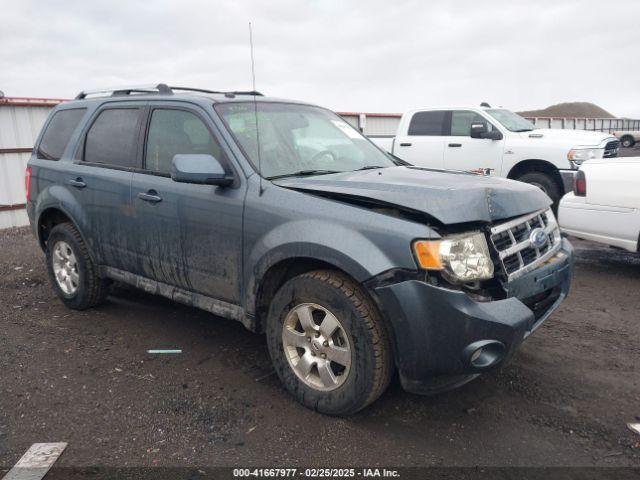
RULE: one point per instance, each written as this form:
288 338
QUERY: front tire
71 270
328 344
544 182
627 141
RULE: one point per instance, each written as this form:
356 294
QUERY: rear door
461 152
187 235
423 143
101 178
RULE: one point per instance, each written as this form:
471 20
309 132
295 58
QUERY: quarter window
113 138
173 132
461 121
428 124
58 133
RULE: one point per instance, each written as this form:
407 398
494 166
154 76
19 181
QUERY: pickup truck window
112 139
461 121
174 132
431 124
58 132
295 138
511 121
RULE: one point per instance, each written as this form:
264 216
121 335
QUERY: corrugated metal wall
381 126
352 120
373 124
20 123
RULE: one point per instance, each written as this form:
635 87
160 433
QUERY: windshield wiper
369 167
398 161
304 173
524 130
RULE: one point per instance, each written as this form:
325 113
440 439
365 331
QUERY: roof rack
160 89
232 93
250 92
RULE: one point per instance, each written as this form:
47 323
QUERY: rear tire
329 295
544 182
71 270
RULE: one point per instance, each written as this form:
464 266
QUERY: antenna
255 109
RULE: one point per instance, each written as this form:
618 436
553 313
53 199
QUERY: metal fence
608 125
20 122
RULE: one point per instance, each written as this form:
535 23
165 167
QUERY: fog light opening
484 354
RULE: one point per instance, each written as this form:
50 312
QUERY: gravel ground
85 378
630 152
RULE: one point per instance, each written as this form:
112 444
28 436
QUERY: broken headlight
461 259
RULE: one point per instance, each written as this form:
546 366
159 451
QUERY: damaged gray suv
282 216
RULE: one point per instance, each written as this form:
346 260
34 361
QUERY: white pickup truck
498 142
605 203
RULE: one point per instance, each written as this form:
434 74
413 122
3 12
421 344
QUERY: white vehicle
605 203
499 142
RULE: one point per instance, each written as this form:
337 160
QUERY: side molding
212 305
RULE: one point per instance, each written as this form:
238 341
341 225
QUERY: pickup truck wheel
627 141
328 344
544 182
72 272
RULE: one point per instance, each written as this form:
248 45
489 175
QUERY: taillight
27 183
580 184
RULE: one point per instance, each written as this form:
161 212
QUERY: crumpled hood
573 137
449 197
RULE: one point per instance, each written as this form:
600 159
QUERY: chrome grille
512 241
611 149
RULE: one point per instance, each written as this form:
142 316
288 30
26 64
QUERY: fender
346 249
59 198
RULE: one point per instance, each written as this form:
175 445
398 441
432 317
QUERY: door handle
150 196
76 182
454 145
405 144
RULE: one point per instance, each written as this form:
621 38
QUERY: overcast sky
374 56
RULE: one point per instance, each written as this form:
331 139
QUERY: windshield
299 139
511 121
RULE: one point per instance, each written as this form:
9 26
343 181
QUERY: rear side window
428 123
113 138
173 132
58 133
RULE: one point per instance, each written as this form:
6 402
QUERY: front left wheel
328 343
71 270
628 141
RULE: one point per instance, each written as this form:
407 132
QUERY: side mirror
480 130
201 169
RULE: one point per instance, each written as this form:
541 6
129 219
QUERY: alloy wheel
316 346
65 267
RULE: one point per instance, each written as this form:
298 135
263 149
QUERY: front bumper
433 327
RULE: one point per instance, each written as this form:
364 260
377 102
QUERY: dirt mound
570 109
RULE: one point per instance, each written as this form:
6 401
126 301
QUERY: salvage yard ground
86 378
630 152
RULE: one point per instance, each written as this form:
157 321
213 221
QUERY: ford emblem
538 238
